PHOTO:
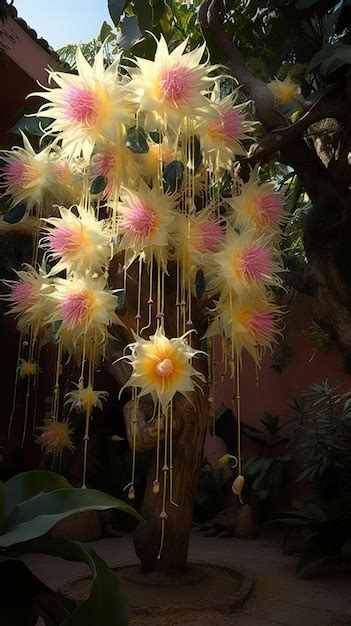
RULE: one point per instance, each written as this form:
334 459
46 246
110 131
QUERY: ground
278 597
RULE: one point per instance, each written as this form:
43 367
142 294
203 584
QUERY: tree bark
190 420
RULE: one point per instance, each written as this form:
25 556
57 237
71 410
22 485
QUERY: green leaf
136 140
15 214
173 176
31 125
200 284
38 515
156 136
28 484
130 32
105 31
107 604
115 8
98 185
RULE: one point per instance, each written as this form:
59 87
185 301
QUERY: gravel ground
278 597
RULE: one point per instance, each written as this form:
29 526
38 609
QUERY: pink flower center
140 220
270 207
229 126
14 172
103 163
49 436
256 263
64 241
164 369
232 122
82 106
23 294
176 83
76 308
210 236
19 173
262 323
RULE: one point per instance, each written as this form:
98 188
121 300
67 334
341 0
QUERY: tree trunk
190 420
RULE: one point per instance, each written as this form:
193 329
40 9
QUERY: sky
66 21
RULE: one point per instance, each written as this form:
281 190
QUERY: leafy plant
325 530
323 437
210 494
31 504
267 472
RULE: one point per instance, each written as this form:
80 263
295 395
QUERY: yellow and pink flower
162 367
78 243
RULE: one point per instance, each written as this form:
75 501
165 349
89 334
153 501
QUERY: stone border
235 601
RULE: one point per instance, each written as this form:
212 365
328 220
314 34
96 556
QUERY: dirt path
278 597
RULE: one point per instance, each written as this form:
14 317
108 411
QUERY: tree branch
295 152
25 227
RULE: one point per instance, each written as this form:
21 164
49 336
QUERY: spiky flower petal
79 243
162 367
55 437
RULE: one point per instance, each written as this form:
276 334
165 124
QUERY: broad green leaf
15 214
130 32
38 515
136 140
107 604
115 8
173 176
98 185
28 484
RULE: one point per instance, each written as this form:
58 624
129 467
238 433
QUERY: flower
196 238
144 218
88 107
222 134
258 207
116 163
27 368
55 437
85 398
245 262
172 86
251 325
148 163
162 367
83 306
78 243
26 176
284 91
27 298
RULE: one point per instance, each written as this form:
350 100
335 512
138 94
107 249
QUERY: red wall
276 391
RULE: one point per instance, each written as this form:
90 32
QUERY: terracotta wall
309 365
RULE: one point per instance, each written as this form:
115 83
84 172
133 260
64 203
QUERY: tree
305 139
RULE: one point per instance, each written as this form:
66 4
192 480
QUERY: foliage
31 504
325 527
323 437
267 473
210 493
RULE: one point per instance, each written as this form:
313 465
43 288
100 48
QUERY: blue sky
66 21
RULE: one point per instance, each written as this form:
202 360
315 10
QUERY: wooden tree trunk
190 426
